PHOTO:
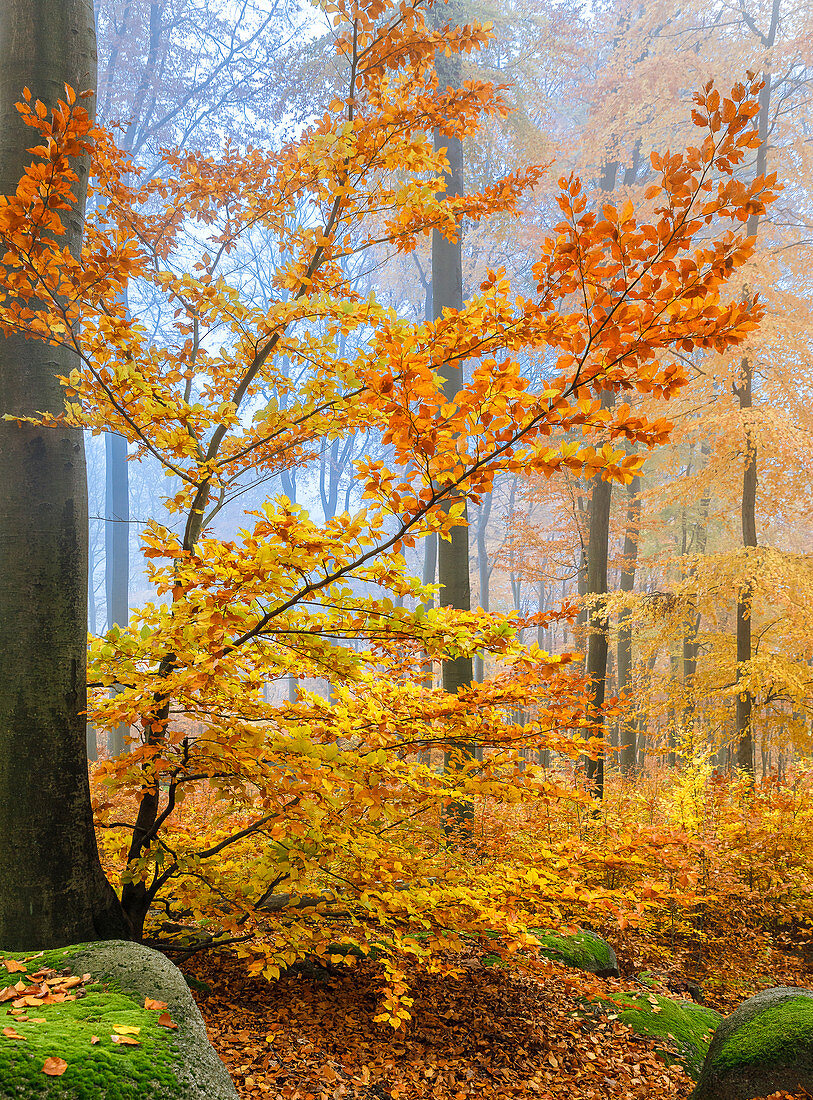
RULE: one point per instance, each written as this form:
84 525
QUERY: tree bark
453 553
483 572
627 730
117 551
597 621
744 750
52 888
692 627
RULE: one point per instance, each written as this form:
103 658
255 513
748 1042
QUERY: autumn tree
330 795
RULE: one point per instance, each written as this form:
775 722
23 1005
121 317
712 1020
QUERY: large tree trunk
627 731
52 888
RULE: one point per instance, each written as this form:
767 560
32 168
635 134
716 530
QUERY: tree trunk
52 888
692 627
430 568
596 663
744 751
483 573
627 730
453 554
117 551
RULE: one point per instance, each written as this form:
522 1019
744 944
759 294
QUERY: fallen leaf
37 1019
94 1039
165 1020
54 1067
125 1029
157 1006
8 993
15 967
10 1033
126 1040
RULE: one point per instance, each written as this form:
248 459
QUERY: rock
584 951
167 1064
685 1027
766 1045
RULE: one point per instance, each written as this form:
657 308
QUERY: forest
406 581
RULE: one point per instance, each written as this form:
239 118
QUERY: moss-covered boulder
166 1064
765 1046
683 1029
584 951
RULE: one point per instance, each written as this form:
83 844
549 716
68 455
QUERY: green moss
686 1026
583 950
770 1036
100 1071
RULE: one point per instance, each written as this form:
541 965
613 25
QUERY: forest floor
487 1032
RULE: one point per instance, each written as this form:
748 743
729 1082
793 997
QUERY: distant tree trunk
483 573
52 888
627 731
117 551
744 748
597 620
453 554
430 568
544 754
690 645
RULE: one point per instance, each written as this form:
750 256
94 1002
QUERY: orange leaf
10 1033
94 1039
14 967
157 1006
165 1020
126 1040
54 1067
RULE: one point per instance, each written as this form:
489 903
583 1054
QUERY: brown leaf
15 967
10 1033
126 1040
157 1006
54 1067
165 1020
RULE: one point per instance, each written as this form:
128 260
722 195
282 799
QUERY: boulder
584 951
167 1064
765 1046
682 1027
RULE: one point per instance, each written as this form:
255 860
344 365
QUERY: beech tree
52 889
330 794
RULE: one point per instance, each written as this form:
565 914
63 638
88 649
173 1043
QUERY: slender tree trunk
690 646
430 568
483 573
453 554
117 551
744 750
627 730
596 663
52 888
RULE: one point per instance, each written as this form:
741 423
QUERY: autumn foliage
272 823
